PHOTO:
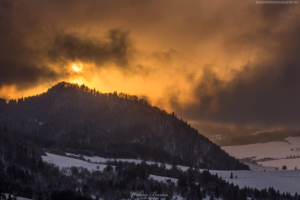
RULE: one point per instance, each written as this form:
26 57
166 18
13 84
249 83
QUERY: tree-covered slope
78 119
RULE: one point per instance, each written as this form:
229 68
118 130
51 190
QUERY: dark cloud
33 51
256 96
24 76
18 58
273 12
117 49
265 92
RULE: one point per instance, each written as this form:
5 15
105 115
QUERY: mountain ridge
83 120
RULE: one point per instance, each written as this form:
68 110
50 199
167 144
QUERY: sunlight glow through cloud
77 67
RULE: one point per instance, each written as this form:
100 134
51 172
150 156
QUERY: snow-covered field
271 149
284 181
62 161
265 174
291 164
260 168
259 177
279 151
96 159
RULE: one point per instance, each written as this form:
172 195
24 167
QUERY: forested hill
77 119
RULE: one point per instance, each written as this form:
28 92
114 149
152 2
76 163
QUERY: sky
224 66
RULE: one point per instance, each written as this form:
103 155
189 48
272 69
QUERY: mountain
77 119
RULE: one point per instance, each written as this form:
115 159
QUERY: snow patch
18 198
62 161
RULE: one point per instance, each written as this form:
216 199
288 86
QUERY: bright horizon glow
78 82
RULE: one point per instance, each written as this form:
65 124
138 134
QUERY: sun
77 67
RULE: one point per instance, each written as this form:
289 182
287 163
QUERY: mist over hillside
81 120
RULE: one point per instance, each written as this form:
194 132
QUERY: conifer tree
40 164
217 193
5 129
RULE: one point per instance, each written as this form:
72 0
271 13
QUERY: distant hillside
77 119
259 138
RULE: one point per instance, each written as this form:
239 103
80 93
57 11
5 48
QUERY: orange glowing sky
222 64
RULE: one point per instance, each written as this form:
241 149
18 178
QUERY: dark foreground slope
77 119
